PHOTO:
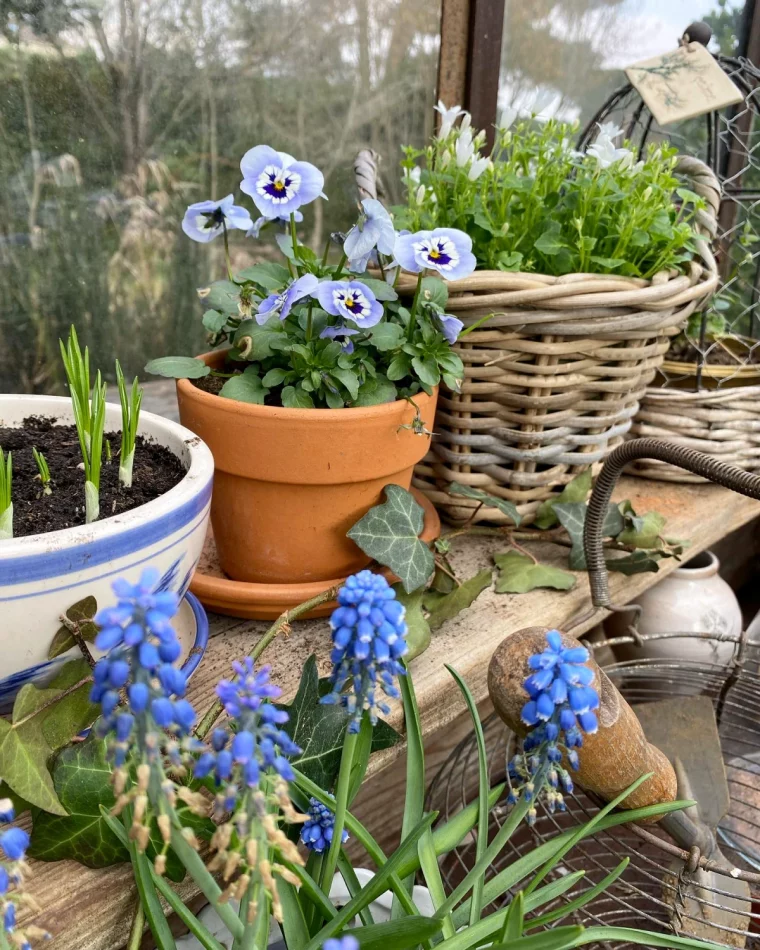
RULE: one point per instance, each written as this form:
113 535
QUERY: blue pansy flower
278 183
351 300
342 333
450 326
373 231
206 220
445 250
255 230
280 304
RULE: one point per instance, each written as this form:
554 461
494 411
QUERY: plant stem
138 925
341 807
293 233
281 625
326 253
226 249
415 303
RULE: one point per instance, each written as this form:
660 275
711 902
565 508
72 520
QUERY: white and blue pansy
445 250
450 326
373 231
350 300
255 230
341 333
280 304
277 183
205 220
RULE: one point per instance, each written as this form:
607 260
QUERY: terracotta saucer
267 601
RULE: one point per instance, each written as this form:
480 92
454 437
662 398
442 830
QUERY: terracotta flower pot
289 483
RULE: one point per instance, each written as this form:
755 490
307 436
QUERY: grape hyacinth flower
350 300
445 250
369 639
13 845
250 767
277 183
317 832
559 711
280 304
206 220
373 231
347 942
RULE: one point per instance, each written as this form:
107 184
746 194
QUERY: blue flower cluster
560 710
369 638
13 844
317 831
143 650
258 742
347 942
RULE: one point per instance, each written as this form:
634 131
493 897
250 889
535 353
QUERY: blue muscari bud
169 651
109 702
243 746
118 673
219 739
148 656
204 764
9 917
7 811
138 694
124 723
162 711
224 765
183 715
5 881
14 843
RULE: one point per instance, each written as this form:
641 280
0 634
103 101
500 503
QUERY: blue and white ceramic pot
43 575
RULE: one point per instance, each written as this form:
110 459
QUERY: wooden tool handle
610 759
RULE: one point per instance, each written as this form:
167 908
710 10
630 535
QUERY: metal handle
697 462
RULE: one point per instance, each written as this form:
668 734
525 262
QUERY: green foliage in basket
536 204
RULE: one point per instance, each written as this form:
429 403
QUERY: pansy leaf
319 729
285 244
574 491
400 367
258 342
294 397
222 295
505 507
81 613
348 379
426 367
390 532
449 605
178 367
434 291
374 391
245 388
387 336
418 637
380 288
519 574
213 320
266 274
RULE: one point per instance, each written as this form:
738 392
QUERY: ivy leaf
74 712
374 391
435 291
390 532
574 491
82 613
387 336
418 638
518 574
637 562
222 295
504 506
24 753
178 367
380 288
573 517
449 605
245 388
319 729
644 532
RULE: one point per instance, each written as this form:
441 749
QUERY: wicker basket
554 378
724 423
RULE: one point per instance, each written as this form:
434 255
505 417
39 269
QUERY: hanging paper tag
685 82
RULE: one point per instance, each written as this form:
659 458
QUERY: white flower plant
309 333
535 204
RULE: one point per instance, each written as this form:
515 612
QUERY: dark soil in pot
156 470
686 351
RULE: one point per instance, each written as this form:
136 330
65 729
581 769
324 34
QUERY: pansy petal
403 251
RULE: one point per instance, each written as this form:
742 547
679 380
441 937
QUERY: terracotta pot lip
352 414
707 565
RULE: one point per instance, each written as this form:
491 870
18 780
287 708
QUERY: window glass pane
115 115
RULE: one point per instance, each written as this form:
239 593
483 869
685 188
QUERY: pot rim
196 481
710 569
352 414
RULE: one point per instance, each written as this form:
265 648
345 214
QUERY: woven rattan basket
554 378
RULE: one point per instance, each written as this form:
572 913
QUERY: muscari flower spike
281 304
350 300
369 639
206 220
560 710
317 832
445 250
13 867
277 183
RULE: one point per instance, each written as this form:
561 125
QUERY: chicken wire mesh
655 892
720 346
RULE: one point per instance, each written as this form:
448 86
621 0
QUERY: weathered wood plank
91 910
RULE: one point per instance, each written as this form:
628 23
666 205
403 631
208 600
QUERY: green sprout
6 505
130 417
77 366
44 471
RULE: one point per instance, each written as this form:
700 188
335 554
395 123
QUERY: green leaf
400 366
222 295
518 574
245 388
348 378
426 368
24 753
607 263
645 532
268 275
275 376
638 562
82 613
504 506
550 242
449 605
576 490
66 718
296 398
390 532
387 336
258 342
435 291
418 637
397 934
214 321
573 517
178 367
319 729
380 288
375 391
